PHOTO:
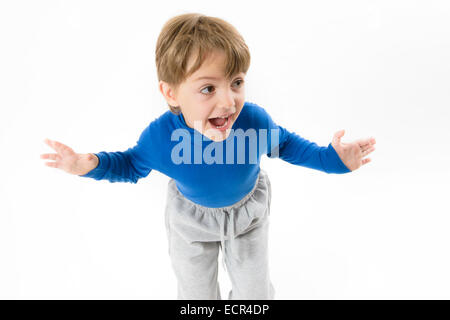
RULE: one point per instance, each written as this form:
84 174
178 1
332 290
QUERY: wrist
87 163
93 160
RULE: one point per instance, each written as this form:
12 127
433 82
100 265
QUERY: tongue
218 121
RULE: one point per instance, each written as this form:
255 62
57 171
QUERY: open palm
65 158
352 153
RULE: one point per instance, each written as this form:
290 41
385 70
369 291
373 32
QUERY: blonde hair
195 33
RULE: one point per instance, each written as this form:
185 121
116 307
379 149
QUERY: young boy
218 196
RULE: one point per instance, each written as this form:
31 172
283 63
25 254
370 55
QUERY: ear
168 92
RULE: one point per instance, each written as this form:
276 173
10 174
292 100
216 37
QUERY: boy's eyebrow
206 77
210 78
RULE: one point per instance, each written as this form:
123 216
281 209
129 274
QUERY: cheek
240 106
204 112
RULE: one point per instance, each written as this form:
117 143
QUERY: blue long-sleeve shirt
209 173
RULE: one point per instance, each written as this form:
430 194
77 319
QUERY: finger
51 156
367 151
367 147
56 145
367 160
337 137
51 164
50 143
366 142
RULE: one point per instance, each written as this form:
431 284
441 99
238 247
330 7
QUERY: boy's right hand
66 159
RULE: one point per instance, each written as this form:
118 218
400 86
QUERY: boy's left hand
352 153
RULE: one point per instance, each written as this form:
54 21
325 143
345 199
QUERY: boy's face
203 99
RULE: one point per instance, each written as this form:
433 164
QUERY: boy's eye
205 89
239 81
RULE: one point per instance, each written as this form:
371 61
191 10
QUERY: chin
217 135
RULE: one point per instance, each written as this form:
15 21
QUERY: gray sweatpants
195 234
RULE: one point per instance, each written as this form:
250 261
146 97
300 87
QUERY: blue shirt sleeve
125 166
296 150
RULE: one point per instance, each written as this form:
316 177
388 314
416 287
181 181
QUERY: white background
83 73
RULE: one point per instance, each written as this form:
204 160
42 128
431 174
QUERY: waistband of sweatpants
259 179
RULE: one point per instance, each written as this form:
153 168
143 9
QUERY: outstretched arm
352 154
126 166
120 166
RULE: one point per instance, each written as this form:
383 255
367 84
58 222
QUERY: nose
227 101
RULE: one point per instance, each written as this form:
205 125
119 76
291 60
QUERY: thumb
337 137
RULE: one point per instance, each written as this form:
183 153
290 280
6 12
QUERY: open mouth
220 122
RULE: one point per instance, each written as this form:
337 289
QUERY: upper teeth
221 117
